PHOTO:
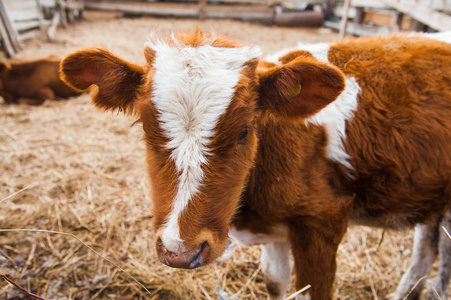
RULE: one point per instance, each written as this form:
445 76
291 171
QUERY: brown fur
399 143
32 82
404 114
398 140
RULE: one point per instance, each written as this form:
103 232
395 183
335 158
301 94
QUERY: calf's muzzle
180 259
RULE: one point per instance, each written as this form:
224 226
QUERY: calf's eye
242 136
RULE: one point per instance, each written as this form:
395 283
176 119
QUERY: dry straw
292 296
73 170
20 288
69 168
446 231
84 244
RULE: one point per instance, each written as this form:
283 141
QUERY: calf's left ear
299 88
117 81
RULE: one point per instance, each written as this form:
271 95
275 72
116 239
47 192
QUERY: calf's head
5 67
199 97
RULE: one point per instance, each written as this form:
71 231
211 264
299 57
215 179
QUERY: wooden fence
379 17
22 19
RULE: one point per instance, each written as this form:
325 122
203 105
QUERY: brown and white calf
287 151
33 81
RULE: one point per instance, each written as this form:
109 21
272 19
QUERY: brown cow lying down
33 82
287 151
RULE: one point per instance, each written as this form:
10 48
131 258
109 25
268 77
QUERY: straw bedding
68 167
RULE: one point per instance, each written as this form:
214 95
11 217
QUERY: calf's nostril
200 259
204 245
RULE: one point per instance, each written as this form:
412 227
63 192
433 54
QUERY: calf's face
198 98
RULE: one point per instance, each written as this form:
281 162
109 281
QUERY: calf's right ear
299 88
117 81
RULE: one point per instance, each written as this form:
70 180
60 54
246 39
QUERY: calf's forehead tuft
209 47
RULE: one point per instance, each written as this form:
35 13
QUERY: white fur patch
440 36
192 88
274 58
305 296
333 117
276 266
320 51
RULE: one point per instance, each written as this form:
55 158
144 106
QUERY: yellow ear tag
297 91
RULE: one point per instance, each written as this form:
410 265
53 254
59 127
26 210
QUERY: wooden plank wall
23 19
9 35
20 20
431 13
380 17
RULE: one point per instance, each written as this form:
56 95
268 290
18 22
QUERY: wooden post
344 19
53 25
202 8
10 31
330 5
40 17
359 15
62 9
398 20
9 50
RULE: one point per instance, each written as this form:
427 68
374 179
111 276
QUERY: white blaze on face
192 88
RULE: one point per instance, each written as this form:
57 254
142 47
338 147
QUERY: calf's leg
315 251
275 258
441 282
30 101
39 97
424 253
276 268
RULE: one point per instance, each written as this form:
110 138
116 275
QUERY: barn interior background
66 167
22 18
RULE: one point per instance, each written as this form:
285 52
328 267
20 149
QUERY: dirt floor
68 167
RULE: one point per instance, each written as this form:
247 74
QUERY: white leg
276 268
305 296
441 282
424 253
